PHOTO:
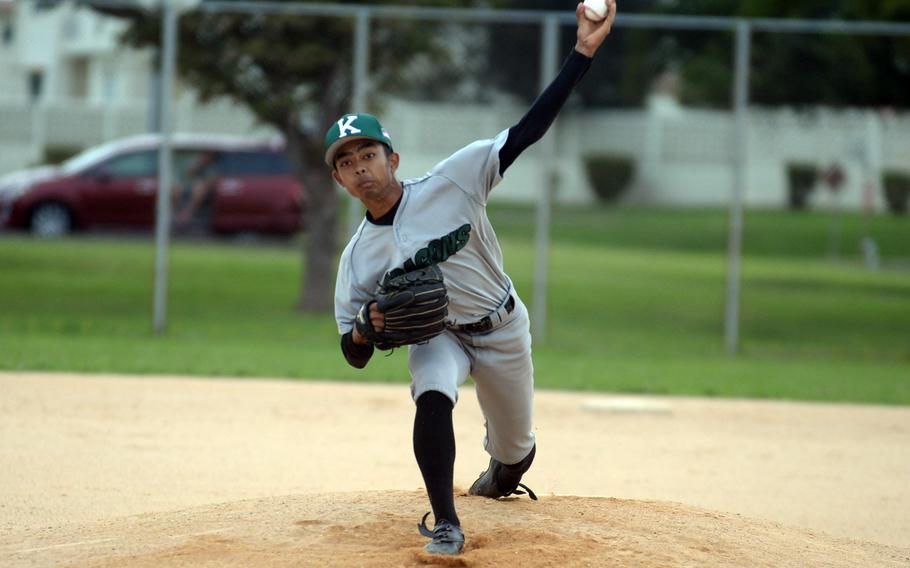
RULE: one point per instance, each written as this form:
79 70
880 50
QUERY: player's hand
377 318
592 34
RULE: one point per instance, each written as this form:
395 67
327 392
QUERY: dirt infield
163 471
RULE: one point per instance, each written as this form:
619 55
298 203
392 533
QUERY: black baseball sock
434 448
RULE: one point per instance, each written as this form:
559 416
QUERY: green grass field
637 306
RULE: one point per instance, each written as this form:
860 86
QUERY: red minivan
221 184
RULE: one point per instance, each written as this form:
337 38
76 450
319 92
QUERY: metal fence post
163 219
740 175
548 62
153 121
359 99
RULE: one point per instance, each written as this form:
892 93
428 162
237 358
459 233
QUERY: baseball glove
415 305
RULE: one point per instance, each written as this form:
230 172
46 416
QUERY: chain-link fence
660 120
81 88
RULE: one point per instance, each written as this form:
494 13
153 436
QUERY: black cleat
500 480
447 538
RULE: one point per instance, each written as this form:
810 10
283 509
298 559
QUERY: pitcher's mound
380 529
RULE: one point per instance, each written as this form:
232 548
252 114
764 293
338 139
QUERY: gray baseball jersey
441 220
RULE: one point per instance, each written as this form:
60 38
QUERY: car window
183 163
134 164
88 158
253 163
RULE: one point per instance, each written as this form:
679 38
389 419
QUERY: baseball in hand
595 10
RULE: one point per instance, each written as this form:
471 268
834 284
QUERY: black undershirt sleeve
357 355
538 119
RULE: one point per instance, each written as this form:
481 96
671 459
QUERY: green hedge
897 191
801 180
609 175
56 154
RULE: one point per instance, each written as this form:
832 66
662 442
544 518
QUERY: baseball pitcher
424 269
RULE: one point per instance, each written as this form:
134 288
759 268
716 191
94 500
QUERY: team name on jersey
438 250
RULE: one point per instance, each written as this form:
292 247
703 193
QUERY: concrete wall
683 156
681 159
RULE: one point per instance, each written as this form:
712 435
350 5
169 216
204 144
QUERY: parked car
242 187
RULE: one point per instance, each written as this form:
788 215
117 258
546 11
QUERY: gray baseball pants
499 362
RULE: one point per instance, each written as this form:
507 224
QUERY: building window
6 33
42 5
70 28
79 76
35 85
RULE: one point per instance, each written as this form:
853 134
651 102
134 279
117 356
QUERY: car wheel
51 220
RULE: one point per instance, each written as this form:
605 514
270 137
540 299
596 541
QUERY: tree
515 66
797 69
786 69
295 74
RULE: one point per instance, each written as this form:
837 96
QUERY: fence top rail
831 26
534 16
489 15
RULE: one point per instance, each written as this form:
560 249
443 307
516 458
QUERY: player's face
365 170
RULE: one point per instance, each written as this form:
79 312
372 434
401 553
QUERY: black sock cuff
525 464
434 400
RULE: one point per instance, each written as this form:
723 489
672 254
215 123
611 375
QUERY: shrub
57 154
897 191
610 176
801 180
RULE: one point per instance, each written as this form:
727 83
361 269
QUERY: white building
63 53
66 82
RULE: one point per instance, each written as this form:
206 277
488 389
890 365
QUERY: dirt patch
380 529
167 471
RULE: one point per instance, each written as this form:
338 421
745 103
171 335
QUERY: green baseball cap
353 127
